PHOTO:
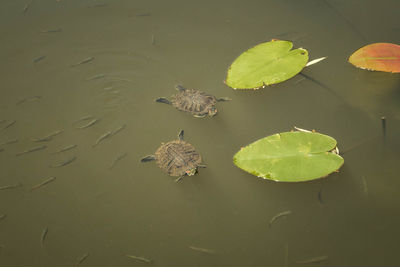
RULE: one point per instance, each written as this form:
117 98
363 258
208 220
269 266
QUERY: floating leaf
378 56
290 157
267 63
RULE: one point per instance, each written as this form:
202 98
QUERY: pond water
68 59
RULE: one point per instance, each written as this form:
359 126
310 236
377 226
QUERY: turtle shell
177 157
194 101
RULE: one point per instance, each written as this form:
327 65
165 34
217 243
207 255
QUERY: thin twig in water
279 215
330 90
47 181
344 151
348 22
8 125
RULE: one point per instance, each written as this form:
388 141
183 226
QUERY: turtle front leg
180 88
222 99
180 135
163 100
148 158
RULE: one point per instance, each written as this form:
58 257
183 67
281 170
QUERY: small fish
82 259
66 148
86 60
320 196
84 118
312 260
146 14
203 250
31 150
92 122
36 60
279 215
153 40
51 30
63 163
101 138
8 125
11 186
118 79
119 129
139 258
117 159
365 185
109 134
26 7
1 149
51 179
12 141
44 235
47 137
28 99
96 77
2 217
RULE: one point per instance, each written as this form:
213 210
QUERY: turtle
197 102
176 158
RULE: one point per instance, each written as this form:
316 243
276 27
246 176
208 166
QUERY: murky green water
145 48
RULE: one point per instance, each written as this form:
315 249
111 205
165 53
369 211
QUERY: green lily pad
290 157
265 64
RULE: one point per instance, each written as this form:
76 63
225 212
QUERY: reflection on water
77 114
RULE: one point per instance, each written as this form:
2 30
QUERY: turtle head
191 172
212 112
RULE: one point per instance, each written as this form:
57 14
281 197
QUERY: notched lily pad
265 64
290 157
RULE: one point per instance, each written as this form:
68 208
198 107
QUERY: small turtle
199 103
176 158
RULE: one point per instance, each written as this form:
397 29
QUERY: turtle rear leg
202 166
180 135
180 88
148 158
200 116
222 99
163 100
179 178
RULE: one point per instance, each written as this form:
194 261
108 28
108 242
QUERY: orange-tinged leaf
378 56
